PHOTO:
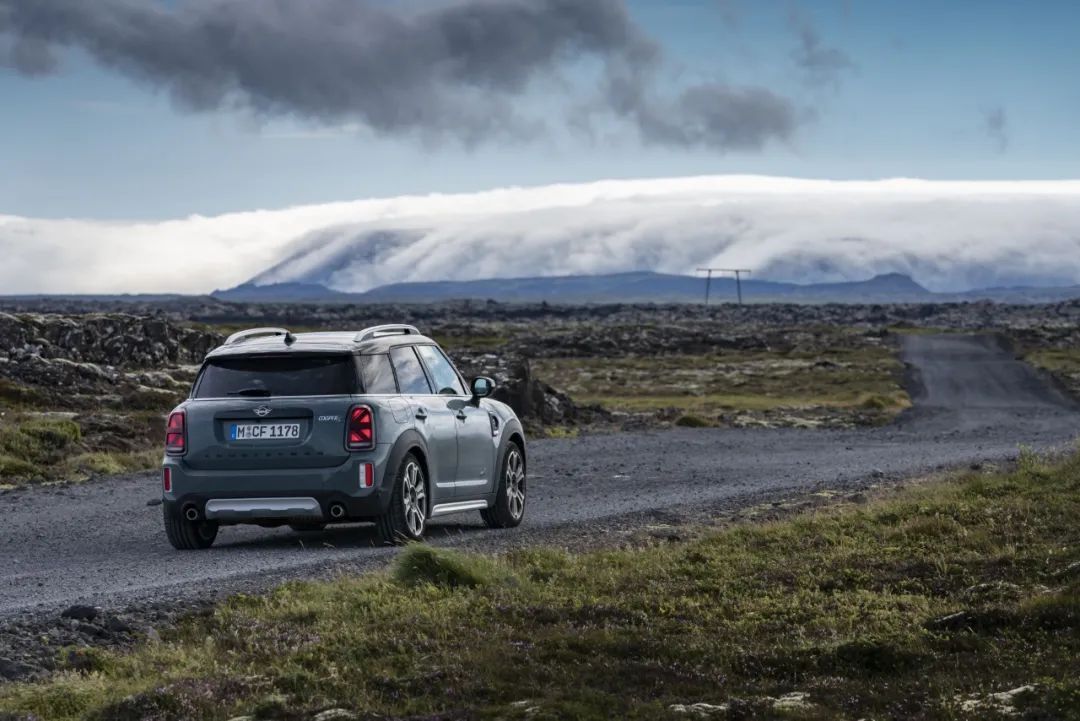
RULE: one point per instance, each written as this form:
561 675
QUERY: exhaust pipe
337 511
191 513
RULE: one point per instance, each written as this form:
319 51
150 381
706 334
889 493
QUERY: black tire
308 527
187 535
509 508
406 518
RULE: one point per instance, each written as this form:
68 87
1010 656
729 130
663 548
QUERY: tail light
176 434
166 479
360 431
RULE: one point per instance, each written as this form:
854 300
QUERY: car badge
263 411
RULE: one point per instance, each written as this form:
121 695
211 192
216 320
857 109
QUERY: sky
145 110
188 145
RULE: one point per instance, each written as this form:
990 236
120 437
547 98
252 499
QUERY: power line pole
708 281
738 279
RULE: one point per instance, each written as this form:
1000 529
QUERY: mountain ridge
637 286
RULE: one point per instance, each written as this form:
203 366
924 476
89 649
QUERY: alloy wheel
414 498
515 484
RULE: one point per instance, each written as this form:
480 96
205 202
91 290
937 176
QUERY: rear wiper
258 392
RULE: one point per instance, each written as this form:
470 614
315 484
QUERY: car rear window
377 374
276 376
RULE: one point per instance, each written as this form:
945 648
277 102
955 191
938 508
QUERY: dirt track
101 542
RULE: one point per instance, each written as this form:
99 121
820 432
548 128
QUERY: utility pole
738 279
708 281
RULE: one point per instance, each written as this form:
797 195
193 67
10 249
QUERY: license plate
264 431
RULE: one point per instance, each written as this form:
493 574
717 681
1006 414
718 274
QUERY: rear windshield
266 376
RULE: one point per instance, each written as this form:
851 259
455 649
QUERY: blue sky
919 86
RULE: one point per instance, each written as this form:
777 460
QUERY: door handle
421 414
461 415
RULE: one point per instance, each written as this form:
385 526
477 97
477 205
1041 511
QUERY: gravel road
102 543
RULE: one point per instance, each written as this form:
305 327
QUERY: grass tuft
419 564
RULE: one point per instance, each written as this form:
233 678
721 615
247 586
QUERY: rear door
475 448
270 411
434 420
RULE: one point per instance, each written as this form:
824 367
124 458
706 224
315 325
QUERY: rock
951 622
81 612
1070 571
794 701
698 709
1001 703
993 591
536 403
13 670
335 714
87 346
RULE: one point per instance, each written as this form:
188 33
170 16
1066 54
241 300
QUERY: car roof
320 342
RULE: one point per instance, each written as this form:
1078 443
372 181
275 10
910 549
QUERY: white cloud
949 235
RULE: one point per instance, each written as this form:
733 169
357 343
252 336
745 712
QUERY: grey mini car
318 428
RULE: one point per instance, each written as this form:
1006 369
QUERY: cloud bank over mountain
948 235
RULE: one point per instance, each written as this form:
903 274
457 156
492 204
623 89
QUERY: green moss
561 432
13 468
692 422
111 464
29 447
18 395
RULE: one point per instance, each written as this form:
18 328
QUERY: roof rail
381 330
255 333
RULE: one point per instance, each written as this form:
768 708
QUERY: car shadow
337 537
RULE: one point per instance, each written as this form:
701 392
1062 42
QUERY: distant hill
641 286
292 292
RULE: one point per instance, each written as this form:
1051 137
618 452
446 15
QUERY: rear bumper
234 509
251 496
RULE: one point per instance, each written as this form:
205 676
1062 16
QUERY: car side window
377 374
442 372
410 373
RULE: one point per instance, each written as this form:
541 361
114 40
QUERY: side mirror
482 387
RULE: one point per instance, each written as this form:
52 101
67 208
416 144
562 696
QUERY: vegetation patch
1062 363
29 445
101 463
951 600
51 447
861 385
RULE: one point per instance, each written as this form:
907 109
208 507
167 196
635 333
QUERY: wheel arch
518 439
514 433
408 442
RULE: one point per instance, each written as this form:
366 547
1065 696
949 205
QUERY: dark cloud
821 65
453 69
996 126
706 115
